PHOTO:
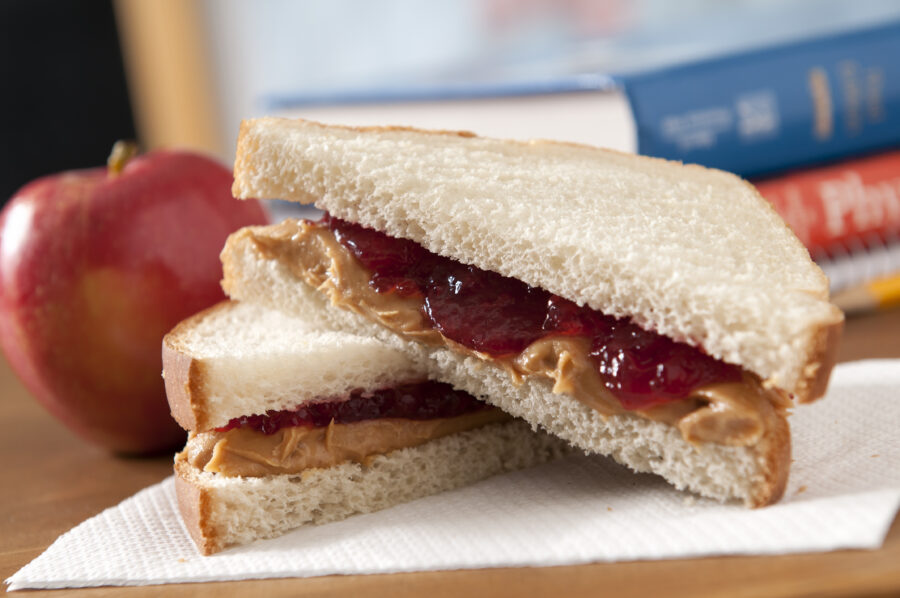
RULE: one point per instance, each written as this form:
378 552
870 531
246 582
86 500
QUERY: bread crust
822 359
185 375
194 503
775 462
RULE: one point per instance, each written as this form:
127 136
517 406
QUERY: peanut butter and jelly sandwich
659 313
290 424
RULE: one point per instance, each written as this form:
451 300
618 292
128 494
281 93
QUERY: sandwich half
291 425
658 313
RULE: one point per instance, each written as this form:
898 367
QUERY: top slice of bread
692 253
237 359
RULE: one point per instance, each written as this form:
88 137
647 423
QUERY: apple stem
122 152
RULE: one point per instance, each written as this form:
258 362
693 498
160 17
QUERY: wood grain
53 481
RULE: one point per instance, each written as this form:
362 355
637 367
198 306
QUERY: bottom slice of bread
222 511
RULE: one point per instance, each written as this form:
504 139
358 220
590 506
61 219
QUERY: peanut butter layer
247 452
734 414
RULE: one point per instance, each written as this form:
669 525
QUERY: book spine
844 205
777 108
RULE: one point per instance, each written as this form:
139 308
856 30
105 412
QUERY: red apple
95 267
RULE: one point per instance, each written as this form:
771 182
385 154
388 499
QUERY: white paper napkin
843 493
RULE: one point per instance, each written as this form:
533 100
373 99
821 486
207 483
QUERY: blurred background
80 75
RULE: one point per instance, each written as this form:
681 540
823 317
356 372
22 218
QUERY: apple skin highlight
95 267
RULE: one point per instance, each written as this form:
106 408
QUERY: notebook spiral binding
862 260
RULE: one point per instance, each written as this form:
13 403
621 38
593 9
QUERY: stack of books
814 123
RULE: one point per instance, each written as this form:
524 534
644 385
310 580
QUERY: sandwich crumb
876 455
801 489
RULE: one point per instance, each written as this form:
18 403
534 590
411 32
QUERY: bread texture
222 511
754 475
237 359
692 253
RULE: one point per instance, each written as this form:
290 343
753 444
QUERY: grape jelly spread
500 316
416 401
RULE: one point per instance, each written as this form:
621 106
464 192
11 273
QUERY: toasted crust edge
185 376
775 463
194 504
823 356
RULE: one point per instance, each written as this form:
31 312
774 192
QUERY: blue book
776 108
751 112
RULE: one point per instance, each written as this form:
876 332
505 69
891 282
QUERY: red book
838 206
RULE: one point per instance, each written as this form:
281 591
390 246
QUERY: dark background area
65 99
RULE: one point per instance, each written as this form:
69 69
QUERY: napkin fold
844 493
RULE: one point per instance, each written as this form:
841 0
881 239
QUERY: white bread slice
221 511
237 359
755 475
692 253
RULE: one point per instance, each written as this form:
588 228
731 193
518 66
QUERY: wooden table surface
53 481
